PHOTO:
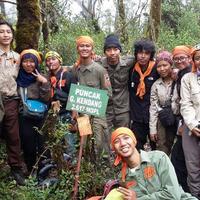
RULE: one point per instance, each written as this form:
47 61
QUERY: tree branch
11 2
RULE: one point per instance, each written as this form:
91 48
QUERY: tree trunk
154 20
28 24
122 31
3 11
45 23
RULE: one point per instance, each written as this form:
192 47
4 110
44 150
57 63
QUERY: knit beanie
164 55
54 54
36 54
112 41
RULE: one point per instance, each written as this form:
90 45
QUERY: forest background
55 24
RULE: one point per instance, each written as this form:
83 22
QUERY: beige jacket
190 100
160 95
9 68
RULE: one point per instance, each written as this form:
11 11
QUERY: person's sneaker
18 176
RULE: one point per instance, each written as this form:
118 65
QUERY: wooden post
75 189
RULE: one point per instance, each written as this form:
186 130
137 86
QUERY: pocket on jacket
195 96
92 84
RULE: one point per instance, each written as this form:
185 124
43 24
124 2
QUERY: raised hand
154 137
39 77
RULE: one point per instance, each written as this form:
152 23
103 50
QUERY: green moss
28 25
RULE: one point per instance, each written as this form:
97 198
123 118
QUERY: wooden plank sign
84 125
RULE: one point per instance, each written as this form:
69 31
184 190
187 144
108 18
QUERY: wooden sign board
84 125
87 100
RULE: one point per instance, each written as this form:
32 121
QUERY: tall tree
154 20
122 31
3 11
28 24
89 11
45 23
172 12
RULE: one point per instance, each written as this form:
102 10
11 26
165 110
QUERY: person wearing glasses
190 110
182 61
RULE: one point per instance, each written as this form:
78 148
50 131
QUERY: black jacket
140 107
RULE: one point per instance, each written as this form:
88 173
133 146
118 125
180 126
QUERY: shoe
18 176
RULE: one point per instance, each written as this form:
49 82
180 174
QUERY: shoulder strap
172 89
60 81
23 94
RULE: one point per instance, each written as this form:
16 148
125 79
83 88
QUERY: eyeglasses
197 58
180 59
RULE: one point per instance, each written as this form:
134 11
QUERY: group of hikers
153 98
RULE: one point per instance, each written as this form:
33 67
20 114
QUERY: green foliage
64 41
186 31
92 176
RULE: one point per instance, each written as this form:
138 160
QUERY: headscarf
164 55
54 54
194 50
182 49
84 39
141 87
115 134
25 79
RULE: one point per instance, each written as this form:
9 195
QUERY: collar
8 54
144 157
161 82
198 72
120 64
84 68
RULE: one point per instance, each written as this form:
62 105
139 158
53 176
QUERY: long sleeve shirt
160 96
190 100
155 178
94 75
139 108
119 75
9 68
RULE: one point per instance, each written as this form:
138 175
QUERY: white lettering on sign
89 94
92 110
89 102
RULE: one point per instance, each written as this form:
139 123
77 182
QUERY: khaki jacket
190 99
160 96
9 68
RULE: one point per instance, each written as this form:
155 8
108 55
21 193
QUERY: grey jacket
119 76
